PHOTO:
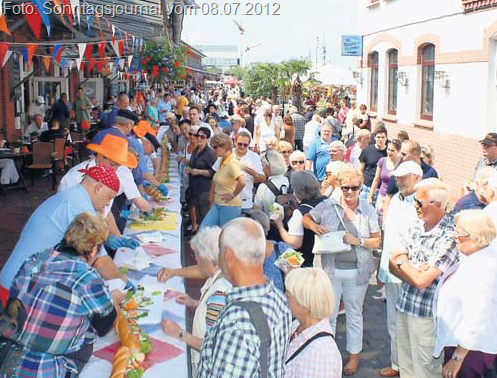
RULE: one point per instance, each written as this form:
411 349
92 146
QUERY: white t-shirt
126 182
295 226
354 155
32 128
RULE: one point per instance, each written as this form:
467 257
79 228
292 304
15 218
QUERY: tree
238 72
297 68
262 79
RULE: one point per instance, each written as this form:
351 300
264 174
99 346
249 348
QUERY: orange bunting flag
46 60
3 25
30 50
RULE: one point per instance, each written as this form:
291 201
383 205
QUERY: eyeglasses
458 235
350 188
295 162
200 136
240 144
420 204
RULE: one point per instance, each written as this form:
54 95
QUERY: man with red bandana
46 226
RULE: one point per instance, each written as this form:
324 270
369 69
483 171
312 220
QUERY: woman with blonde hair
466 301
350 269
60 303
286 150
227 184
312 351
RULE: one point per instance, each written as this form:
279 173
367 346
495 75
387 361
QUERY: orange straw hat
143 128
115 148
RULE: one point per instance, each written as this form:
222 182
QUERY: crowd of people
257 180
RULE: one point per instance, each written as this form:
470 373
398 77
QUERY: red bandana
104 174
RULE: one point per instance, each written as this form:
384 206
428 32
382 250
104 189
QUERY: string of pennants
33 12
84 58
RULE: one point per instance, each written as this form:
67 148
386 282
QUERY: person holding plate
349 271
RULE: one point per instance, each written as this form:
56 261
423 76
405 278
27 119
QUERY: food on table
276 211
157 214
131 305
156 292
127 335
127 364
124 270
155 194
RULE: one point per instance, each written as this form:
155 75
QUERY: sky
292 34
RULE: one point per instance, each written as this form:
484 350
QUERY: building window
373 65
427 81
392 81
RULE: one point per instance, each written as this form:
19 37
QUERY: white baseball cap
406 168
40 100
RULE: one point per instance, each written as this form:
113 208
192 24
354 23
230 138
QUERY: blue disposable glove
130 285
113 242
125 214
163 189
146 184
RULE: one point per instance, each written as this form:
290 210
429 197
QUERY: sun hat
142 129
115 148
406 168
40 99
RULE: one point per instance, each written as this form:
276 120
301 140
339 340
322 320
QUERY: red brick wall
455 156
7 106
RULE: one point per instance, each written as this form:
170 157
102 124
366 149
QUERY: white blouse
466 303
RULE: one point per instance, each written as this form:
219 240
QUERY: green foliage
265 79
170 60
238 72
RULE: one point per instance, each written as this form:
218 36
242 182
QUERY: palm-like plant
297 68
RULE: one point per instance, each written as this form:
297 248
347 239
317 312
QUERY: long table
168 356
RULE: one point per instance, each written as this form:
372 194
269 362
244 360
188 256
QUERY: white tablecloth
168 356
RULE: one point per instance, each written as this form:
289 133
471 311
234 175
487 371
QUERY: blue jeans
219 215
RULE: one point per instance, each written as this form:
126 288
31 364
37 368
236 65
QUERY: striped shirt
299 123
60 293
231 347
436 247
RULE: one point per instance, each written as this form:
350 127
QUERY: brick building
429 67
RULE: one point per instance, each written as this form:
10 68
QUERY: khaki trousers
415 342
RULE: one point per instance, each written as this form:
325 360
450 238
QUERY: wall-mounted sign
351 45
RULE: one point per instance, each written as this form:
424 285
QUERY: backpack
288 201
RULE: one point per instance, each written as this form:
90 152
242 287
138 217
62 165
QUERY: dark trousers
299 145
475 365
202 205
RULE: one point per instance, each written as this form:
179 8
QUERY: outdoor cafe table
168 356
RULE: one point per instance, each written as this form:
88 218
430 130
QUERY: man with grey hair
318 154
337 151
398 218
242 344
363 139
426 250
274 167
299 123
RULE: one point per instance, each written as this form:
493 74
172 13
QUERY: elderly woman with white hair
466 301
306 189
297 161
311 131
274 166
330 187
312 352
205 245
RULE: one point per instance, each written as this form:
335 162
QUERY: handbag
352 140
331 242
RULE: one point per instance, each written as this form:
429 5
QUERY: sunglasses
200 136
350 188
286 152
295 162
421 204
193 134
240 144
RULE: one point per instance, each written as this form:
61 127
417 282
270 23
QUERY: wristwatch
361 242
180 336
400 263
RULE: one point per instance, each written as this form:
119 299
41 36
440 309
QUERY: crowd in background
259 179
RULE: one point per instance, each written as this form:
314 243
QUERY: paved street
376 344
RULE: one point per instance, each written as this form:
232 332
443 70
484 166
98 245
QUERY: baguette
126 335
121 361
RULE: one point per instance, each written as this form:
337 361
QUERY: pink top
320 359
342 114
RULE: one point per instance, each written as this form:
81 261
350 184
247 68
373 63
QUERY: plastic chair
43 160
